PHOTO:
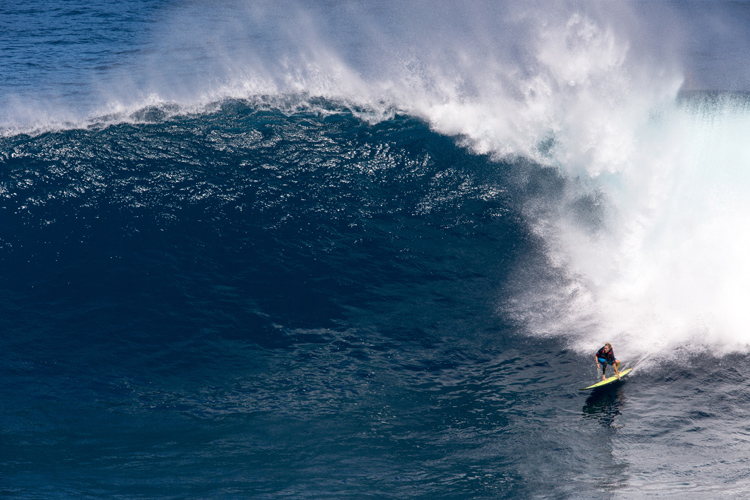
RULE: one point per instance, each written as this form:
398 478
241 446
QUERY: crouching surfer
606 356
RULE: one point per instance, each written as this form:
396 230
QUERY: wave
644 246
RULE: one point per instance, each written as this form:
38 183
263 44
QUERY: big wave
645 248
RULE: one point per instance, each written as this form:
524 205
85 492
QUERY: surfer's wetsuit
606 358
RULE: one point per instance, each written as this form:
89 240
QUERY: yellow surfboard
611 379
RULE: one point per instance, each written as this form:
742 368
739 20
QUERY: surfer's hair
608 345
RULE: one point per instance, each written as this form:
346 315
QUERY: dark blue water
235 264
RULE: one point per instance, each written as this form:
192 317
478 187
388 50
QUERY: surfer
606 356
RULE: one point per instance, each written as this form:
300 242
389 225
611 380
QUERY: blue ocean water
340 249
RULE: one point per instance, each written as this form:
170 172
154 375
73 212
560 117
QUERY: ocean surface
349 249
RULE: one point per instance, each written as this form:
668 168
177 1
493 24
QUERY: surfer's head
608 346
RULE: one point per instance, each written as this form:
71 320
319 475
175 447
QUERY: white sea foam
670 270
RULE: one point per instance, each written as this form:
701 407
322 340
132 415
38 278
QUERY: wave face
309 249
301 211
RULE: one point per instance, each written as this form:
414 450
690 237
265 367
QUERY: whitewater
287 249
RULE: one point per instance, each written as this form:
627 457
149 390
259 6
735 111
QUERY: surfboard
611 379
